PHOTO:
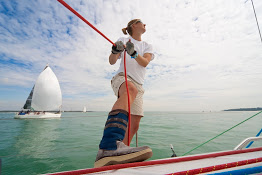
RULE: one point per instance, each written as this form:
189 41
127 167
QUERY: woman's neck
137 36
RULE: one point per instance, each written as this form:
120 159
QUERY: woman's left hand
130 49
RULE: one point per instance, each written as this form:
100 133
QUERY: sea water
39 146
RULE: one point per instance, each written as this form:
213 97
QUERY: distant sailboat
84 110
45 98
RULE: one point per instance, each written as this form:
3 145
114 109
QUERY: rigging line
256 21
221 133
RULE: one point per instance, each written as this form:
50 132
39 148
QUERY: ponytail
124 30
128 29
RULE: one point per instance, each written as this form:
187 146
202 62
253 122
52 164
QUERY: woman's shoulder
147 44
123 39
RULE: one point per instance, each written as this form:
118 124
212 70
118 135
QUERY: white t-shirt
133 69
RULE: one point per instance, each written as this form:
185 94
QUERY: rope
88 23
81 17
256 21
136 139
128 100
221 133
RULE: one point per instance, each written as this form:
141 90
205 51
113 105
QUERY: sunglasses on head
138 21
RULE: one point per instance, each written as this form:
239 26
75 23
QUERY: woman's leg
121 102
111 149
135 120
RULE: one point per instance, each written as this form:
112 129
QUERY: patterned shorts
137 106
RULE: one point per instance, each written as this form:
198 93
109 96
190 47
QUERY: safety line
221 134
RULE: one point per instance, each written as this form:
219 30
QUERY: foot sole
128 158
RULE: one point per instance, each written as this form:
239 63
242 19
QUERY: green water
38 146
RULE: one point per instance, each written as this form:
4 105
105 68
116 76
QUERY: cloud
208 54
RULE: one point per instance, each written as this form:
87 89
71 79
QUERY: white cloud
208 54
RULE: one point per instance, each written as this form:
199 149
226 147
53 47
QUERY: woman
112 148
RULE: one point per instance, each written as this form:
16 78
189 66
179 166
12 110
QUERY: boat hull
37 115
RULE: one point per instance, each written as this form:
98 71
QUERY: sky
208 54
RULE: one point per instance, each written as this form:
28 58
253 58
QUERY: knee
133 91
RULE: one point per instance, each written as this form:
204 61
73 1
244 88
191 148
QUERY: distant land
245 109
49 111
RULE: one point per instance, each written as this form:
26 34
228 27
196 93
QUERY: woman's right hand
118 48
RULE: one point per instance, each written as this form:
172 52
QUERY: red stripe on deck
217 167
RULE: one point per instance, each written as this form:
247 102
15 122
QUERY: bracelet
135 56
113 52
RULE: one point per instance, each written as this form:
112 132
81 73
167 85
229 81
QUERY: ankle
115 129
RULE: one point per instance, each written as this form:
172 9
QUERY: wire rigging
221 133
256 21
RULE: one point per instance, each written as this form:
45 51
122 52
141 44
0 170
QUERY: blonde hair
128 29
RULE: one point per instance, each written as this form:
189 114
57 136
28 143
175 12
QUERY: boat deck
237 159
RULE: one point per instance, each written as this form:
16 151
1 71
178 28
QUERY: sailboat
45 98
84 110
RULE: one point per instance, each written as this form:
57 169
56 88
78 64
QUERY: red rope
81 17
128 100
156 162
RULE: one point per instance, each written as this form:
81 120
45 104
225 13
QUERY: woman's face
140 26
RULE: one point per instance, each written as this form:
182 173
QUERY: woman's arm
141 60
113 58
144 60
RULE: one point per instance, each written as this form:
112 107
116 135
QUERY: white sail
84 110
47 94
